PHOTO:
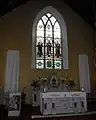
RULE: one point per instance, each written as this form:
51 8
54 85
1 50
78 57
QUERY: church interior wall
16 34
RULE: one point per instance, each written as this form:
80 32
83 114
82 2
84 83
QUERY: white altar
51 84
62 102
56 96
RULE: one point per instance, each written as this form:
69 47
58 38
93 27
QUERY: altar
56 96
52 103
51 84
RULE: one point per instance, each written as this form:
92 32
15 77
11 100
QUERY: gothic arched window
49 43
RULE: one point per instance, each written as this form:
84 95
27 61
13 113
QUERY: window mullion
44 45
53 43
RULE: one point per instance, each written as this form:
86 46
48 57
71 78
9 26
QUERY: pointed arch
62 23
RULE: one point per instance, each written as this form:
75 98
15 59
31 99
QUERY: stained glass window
48 43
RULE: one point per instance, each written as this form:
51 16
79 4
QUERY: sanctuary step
27 111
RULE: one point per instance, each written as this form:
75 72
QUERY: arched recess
62 23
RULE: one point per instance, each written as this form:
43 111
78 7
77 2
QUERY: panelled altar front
56 96
62 102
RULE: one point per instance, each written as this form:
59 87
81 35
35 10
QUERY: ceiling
83 7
